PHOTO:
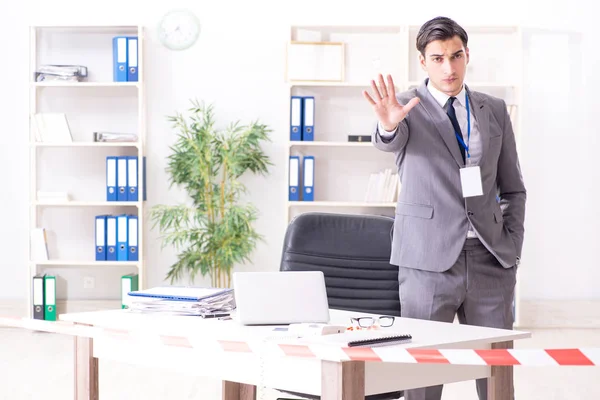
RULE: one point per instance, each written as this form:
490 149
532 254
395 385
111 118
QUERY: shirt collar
442 98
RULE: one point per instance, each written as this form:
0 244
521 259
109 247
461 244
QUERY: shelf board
330 144
338 204
85 84
474 29
324 83
86 263
86 144
48 203
399 85
93 28
484 84
490 84
343 28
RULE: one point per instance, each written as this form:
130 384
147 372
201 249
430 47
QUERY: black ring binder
379 341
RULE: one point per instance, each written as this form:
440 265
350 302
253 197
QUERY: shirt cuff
386 134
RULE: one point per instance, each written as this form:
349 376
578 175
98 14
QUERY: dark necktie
452 115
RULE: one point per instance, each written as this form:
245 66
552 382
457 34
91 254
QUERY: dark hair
439 28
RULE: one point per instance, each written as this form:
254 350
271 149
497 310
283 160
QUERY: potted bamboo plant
215 233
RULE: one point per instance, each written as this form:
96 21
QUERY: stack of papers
115 137
175 300
69 73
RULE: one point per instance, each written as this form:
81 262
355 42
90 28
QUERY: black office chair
353 251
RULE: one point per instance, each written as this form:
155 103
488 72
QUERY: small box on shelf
359 138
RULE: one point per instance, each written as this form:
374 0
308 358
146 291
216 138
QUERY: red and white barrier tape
498 357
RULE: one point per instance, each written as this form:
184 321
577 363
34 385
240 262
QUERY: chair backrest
353 251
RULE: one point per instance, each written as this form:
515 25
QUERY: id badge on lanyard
470 176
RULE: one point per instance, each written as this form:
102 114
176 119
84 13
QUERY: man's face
446 63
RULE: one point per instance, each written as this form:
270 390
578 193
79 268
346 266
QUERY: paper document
183 300
180 292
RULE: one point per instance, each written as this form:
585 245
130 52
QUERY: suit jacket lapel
481 112
441 122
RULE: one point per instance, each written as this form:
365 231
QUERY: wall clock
178 29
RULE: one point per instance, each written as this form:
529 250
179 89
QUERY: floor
36 365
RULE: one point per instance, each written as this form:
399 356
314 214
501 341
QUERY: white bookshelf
331 144
342 168
50 203
86 263
340 204
78 167
86 84
87 144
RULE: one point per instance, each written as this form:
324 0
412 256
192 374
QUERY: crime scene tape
393 354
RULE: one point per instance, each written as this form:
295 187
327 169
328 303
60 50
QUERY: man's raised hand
388 110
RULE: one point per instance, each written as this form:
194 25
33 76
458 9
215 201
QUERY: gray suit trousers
476 288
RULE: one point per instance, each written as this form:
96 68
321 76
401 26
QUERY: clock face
179 29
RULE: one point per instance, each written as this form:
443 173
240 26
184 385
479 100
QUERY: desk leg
86 370
238 391
342 381
501 383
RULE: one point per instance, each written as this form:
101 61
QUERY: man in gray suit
458 231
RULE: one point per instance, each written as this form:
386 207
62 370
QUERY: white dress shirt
474 143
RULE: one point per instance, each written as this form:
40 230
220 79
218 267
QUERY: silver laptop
280 298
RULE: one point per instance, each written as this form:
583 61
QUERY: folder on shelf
308 118
101 237
308 193
132 178
122 248
296 118
144 192
120 59
111 238
52 128
111 178
132 238
132 59
122 178
39 245
294 178
129 283
38 297
50 298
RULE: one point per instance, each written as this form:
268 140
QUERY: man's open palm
387 109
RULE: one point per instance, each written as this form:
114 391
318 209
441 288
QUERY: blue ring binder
220 292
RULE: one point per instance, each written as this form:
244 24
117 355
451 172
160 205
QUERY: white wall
238 65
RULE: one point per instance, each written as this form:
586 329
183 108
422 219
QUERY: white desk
242 372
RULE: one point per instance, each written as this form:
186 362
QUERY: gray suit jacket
432 216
